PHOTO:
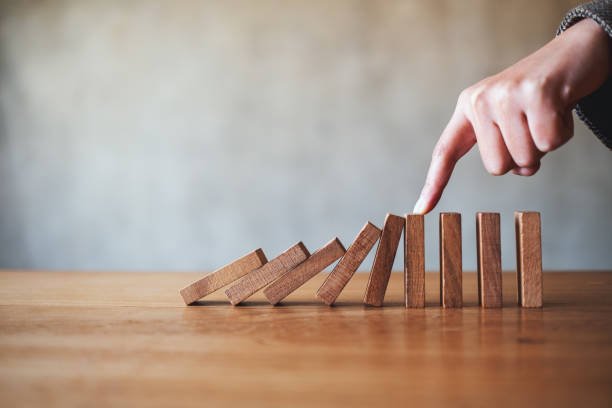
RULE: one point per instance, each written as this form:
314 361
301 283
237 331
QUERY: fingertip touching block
529 258
451 287
223 276
383 260
345 269
268 273
414 261
488 243
321 259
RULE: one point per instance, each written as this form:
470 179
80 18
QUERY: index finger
456 140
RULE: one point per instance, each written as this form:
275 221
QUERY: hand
522 113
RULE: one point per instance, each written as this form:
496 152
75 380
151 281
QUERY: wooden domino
321 259
345 269
414 261
451 288
528 258
223 276
383 260
488 243
259 278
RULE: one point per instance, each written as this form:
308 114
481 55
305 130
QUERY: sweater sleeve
595 110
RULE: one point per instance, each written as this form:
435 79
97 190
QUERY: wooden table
126 339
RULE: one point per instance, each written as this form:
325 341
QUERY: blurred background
177 135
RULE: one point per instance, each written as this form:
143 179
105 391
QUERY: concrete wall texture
163 135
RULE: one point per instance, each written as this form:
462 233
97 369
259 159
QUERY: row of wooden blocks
294 267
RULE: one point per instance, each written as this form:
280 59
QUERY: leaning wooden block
488 243
529 258
345 269
223 276
451 289
257 279
383 260
414 261
295 278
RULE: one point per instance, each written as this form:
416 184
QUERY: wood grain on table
127 339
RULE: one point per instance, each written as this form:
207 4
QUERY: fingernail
419 207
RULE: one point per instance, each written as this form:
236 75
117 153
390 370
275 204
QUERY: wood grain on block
529 258
451 288
345 269
321 259
383 260
223 276
414 261
488 243
257 279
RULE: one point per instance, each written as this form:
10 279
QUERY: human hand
524 112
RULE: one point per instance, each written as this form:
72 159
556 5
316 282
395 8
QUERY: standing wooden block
529 258
451 288
488 243
295 278
414 261
257 279
345 269
223 276
383 260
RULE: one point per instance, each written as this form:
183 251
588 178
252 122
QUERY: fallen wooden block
451 289
383 260
414 261
223 276
488 243
299 275
257 279
529 258
345 269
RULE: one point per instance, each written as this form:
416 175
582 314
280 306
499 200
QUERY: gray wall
179 135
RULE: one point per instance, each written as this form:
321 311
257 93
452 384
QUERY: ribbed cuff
595 109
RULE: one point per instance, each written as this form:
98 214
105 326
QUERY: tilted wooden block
488 243
299 275
451 288
383 260
529 258
257 279
345 269
223 276
414 261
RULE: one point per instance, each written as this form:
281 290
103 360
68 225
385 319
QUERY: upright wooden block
345 269
257 279
488 243
529 258
383 260
414 261
223 276
299 275
451 288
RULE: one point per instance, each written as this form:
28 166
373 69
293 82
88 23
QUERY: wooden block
529 258
223 276
383 260
488 243
299 275
345 269
451 288
414 261
257 279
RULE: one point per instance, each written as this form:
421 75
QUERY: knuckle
478 98
525 161
440 151
497 167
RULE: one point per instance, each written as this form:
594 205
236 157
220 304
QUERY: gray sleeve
595 110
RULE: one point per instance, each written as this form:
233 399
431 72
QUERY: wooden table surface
126 339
